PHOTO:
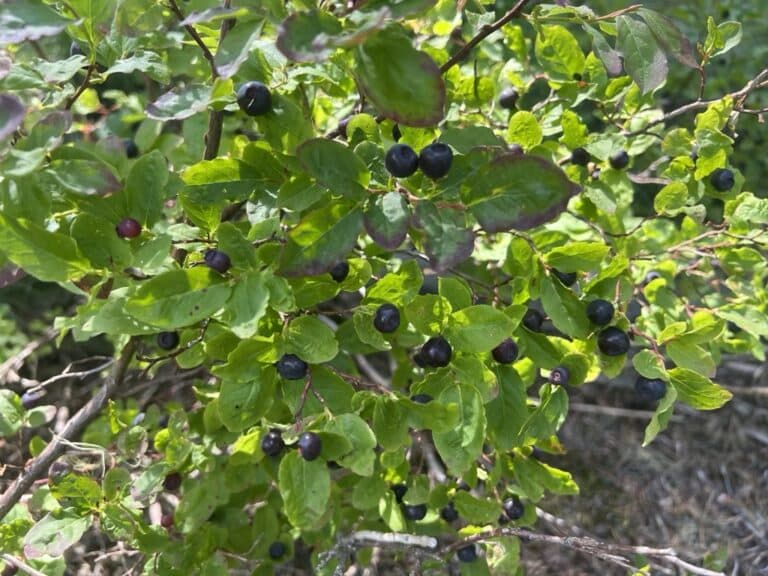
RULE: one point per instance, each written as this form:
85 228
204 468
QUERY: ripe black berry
435 160
508 98
399 491
217 260
506 352
513 508
254 98
387 318
401 161
600 312
429 285
650 389
276 550
310 446
580 157
722 179
340 272
559 375
172 482
567 278
128 228
533 320
619 160
414 511
168 340
131 150
436 352
449 512
421 398
272 443
467 554
291 367
613 341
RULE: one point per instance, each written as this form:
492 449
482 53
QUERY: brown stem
82 87
216 119
195 36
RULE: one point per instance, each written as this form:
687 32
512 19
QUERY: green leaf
610 58
381 63
698 391
577 256
323 237
518 192
508 412
650 365
460 446
142 61
535 477
671 199
334 166
305 488
368 492
669 36
179 298
390 424
566 311
180 103
77 491
644 61
22 20
311 340
335 392
660 419
476 510
54 533
84 177
12 113
308 36
387 219
49 256
449 241
550 414
478 328
201 498
691 356
362 458
721 38
429 313
524 130
397 287
746 317
11 413
234 50
559 53
145 187
247 305
243 403
749 208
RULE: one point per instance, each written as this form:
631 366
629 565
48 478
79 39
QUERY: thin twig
66 375
739 95
13 561
195 36
617 412
484 32
86 82
38 467
10 367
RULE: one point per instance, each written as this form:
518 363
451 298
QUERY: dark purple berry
506 352
272 443
421 398
401 161
619 160
310 446
340 272
217 260
650 389
435 160
567 278
513 508
172 482
277 550
128 228
580 157
449 512
436 352
508 98
399 491
254 98
168 340
600 312
414 511
467 554
559 375
613 342
131 149
533 320
722 179
291 367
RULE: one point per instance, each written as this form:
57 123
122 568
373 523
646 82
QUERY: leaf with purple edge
448 240
12 113
518 192
308 36
669 36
